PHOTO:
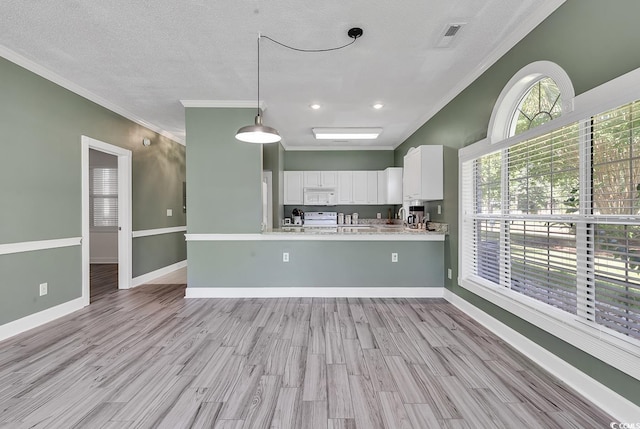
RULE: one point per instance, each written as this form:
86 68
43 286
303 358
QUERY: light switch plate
44 288
394 257
169 212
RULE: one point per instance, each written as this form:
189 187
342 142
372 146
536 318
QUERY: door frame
124 213
267 177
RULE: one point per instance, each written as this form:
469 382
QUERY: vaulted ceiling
141 58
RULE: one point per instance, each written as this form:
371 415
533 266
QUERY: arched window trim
503 111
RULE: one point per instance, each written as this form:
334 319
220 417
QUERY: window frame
575 329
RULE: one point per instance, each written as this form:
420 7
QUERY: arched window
537 94
539 105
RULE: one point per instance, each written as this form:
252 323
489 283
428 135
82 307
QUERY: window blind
543 262
617 277
556 218
104 197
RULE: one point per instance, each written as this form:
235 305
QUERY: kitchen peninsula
374 261
230 256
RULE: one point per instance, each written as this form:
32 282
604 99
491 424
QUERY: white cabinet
320 179
372 187
293 187
352 187
358 187
345 187
390 186
423 173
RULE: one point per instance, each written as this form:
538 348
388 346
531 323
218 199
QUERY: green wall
224 177
23 272
594 42
158 251
314 264
40 186
338 160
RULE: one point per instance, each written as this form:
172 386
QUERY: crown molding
542 12
44 72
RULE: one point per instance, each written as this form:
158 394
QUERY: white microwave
319 197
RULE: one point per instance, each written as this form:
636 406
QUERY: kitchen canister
347 220
354 218
340 218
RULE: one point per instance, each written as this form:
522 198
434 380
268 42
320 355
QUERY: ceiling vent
449 34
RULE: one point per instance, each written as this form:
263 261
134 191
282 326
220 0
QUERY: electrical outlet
449 273
378 215
169 212
285 257
394 257
439 209
44 288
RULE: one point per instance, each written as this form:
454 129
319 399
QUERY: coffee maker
416 215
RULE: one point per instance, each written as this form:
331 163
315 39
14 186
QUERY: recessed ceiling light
378 106
346 133
315 106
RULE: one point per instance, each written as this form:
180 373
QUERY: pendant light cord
259 36
311 50
353 33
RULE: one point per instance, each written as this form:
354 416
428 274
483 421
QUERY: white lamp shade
258 133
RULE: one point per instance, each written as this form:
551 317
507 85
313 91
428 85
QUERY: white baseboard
605 398
40 318
314 292
140 280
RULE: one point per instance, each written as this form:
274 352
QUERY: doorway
103 223
122 225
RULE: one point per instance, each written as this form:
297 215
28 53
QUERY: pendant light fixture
262 134
258 133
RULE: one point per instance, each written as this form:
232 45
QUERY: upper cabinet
352 187
345 187
390 186
320 179
358 187
293 187
423 173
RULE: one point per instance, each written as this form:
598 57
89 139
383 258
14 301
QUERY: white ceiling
140 58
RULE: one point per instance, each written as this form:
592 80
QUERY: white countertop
342 233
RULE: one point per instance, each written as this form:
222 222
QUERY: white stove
321 219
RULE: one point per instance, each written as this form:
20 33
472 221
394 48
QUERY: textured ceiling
142 57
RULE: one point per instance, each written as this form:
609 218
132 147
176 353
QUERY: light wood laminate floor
148 357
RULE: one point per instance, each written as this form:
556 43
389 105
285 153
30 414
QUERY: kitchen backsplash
364 211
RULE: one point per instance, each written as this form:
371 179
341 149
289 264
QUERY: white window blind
104 197
543 262
617 277
556 218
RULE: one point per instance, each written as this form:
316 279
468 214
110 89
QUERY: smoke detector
449 34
